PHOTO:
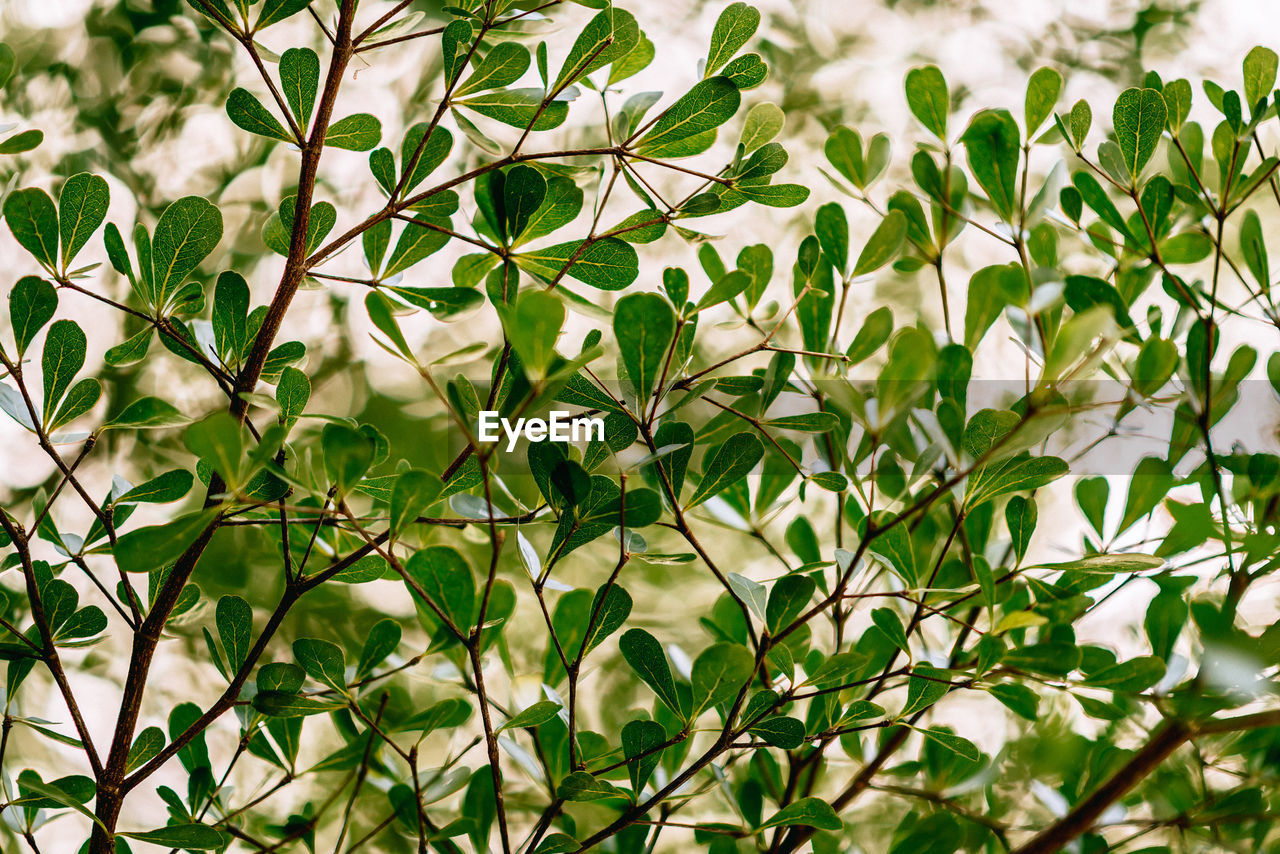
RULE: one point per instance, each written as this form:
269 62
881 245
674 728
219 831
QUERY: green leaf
144 748
21 142
727 288
348 453
787 600
807 422
926 686
235 629
1081 121
503 65
832 229
1043 90
274 11
231 316
729 462
1108 564
1139 118
1177 99
248 113
519 108
381 641
888 621
875 331
70 792
644 325
434 152
321 660
157 546
170 486
810 812
781 731
883 245
417 242
956 744
763 123
536 715
719 672
845 152
608 263
1130 677
523 192
32 303
991 145
80 399
218 442
443 303
62 359
1083 292
455 44
414 491
1019 698
148 413
200 837
286 704
640 740
1254 250
300 78
446 577
446 714
292 393
735 26
990 290
1017 474
130 352
643 652
558 843
360 132
612 606
561 206
581 786
33 220
1259 75
187 232
607 37
1151 481
709 104
1020 516
533 328
82 206
928 99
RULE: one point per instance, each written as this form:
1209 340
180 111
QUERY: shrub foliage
792 598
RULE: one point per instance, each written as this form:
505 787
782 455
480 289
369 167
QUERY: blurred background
134 90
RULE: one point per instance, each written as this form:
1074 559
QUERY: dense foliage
793 599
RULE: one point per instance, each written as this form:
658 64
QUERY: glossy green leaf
928 99
1042 95
809 812
728 463
1139 118
33 221
82 206
299 80
644 325
991 144
188 230
735 26
32 303
709 104
645 656
248 113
